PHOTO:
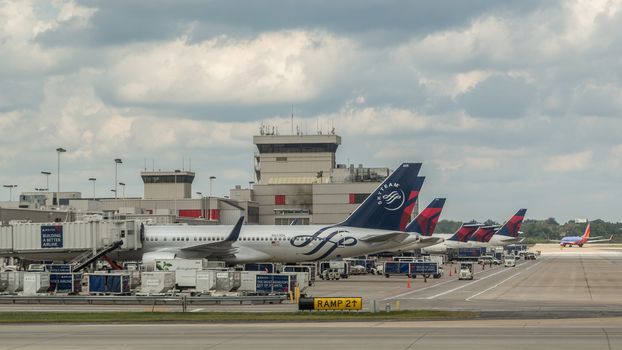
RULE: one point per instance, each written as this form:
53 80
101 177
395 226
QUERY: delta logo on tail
483 234
512 226
464 232
426 221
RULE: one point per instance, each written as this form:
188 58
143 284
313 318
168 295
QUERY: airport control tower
295 159
167 184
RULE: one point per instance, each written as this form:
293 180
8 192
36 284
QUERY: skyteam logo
391 196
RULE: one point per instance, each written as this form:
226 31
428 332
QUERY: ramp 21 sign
52 236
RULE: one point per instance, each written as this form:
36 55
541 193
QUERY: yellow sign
337 303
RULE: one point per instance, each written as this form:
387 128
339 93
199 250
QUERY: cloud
280 67
498 97
569 162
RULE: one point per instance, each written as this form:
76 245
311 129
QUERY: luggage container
111 283
396 268
157 282
272 283
15 281
302 279
302 268
227 281
36 282
208 264
263 267
59 268
248 280
206 280
424 268
185 270
4 281
342 266
65 282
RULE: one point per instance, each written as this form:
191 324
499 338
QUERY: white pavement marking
432 286
465 285
197 310
505 280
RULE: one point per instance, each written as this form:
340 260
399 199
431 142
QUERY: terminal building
298 180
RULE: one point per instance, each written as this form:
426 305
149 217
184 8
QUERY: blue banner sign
52 236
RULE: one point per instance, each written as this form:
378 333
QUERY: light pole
122 184
211 178
59 151
115 192
47 179
117 161
10 187
200 194
92 179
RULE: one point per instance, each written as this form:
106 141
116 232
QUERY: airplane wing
391 236
600 240
431 240
223 247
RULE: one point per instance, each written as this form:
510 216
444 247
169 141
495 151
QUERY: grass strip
216 317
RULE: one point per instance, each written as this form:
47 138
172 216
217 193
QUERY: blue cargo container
471 252
424 268
59 268
118 283
274 283
396 268
66 282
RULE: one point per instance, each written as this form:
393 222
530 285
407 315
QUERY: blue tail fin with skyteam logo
390 206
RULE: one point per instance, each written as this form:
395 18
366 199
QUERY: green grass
81 317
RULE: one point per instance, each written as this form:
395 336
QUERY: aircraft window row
214 239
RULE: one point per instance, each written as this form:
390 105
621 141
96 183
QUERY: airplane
508 233
456 240
378 224
569 241
423 225
482 235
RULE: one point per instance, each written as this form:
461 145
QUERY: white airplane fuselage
442 247
296 243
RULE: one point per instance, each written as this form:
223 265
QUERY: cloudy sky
508 104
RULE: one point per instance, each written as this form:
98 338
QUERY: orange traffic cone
408 283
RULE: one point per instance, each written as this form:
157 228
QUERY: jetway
68 240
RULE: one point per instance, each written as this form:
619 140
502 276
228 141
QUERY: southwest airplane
569 241
376 225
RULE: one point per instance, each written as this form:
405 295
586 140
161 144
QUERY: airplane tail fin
390 206
483 234
464 232
426 221
512 226
586 234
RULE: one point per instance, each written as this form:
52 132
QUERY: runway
565 334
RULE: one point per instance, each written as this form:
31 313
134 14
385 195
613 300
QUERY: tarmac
569 298
568 334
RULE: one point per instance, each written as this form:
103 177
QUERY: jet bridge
70 240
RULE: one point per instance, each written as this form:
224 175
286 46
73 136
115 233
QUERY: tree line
541 231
